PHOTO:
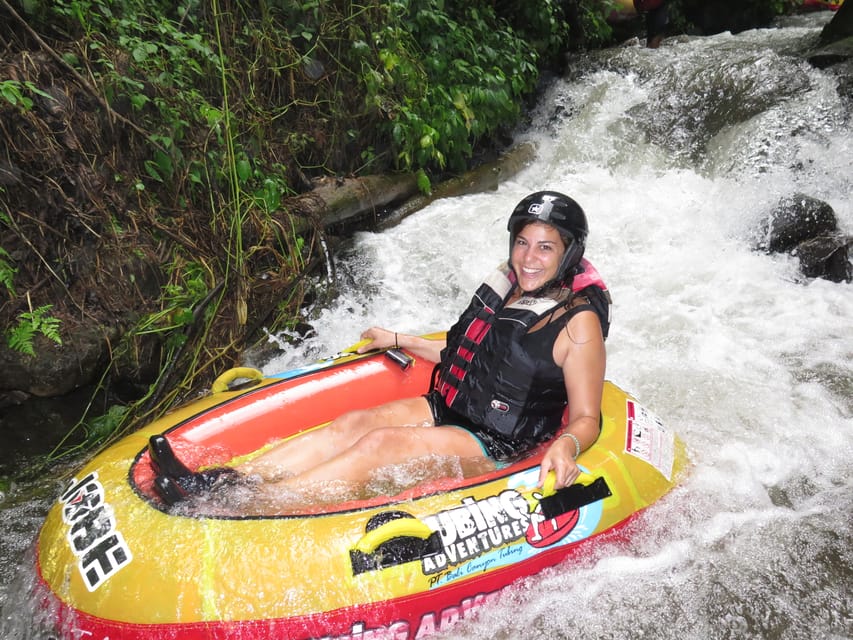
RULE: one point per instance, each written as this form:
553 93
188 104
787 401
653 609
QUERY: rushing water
675 154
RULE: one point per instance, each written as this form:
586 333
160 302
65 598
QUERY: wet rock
258 354
841 25
826 257
68 366
834 53
808 228
795 219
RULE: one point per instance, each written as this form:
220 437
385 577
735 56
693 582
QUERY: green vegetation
171 134
15 93
152 146
30 323
7 272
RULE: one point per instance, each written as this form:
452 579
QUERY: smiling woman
537 250
530 343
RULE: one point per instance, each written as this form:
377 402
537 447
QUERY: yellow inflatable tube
118 564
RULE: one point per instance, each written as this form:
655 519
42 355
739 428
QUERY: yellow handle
438 335
221 383
551 480
548 486
355 347
408 527
585 477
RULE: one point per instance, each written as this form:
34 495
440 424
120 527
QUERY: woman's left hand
560 459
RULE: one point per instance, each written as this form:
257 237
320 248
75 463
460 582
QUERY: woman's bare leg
382 447
302 453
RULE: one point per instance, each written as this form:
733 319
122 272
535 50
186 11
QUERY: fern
21 338
30 323
7 272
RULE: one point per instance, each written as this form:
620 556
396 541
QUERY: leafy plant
14 92
178 299
100 428
31 323
449 76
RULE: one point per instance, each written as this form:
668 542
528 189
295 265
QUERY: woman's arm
579 350
384 339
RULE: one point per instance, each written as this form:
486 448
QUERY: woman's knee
378 442
351 425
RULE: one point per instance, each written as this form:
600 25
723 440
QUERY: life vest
487 371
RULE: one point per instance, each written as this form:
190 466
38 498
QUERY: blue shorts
498 449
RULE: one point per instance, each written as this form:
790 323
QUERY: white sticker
647 439
92 534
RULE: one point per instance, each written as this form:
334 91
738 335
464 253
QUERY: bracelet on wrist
575 440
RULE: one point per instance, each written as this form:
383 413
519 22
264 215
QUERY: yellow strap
551 480
548 488
401 527
222 382
358 345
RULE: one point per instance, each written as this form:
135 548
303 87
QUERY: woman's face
536 255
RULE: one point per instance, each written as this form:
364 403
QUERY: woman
526 344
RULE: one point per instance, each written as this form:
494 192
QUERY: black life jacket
501 376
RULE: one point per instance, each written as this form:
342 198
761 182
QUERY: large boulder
841 25
836 43
835 51
808 228
793 220
58 369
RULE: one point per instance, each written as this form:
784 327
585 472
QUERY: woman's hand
429 349
560 459
379 339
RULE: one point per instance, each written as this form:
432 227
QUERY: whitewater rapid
676 155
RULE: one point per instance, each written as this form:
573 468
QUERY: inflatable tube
117 564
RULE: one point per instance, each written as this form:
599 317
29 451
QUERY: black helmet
562 213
